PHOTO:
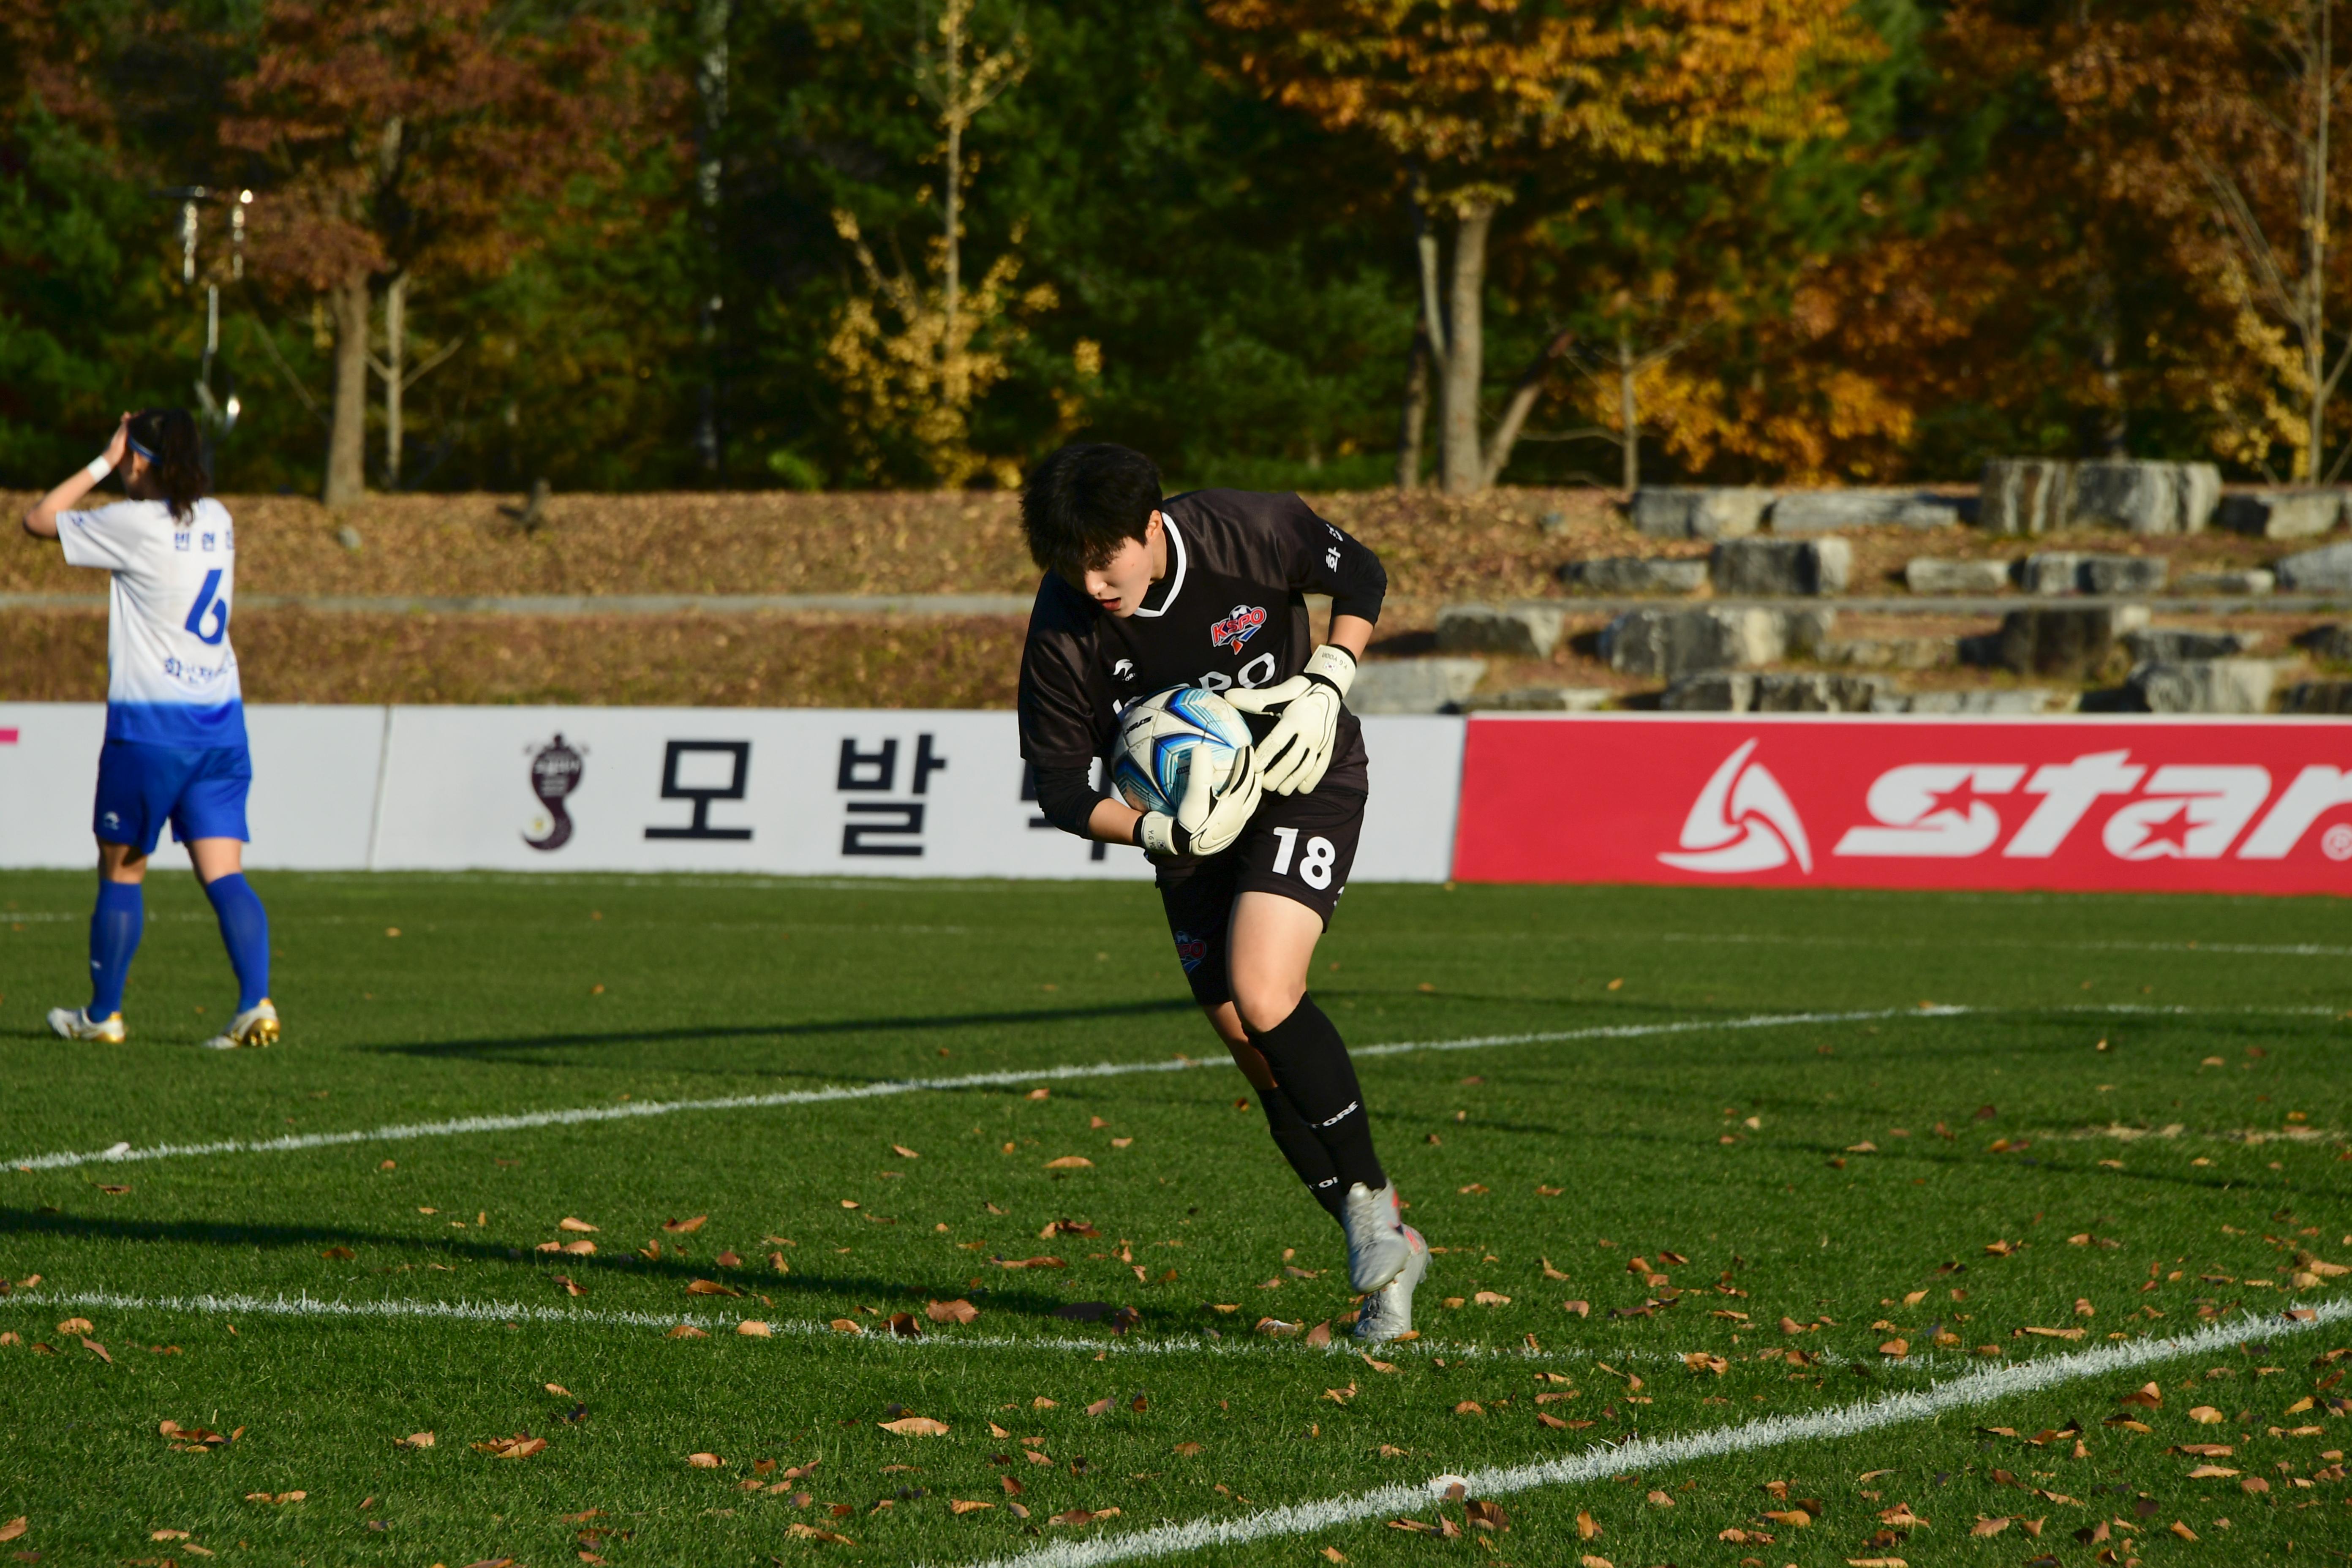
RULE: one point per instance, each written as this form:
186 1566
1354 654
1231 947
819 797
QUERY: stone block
2204 685
1935 574
2072 643
1414 684
1891 653
1671 644
1635 574
2013 699
1774 568
1826 511
2124 573
2170 644
2050 572
1698 513
1777 691
2330 643
2231 585
1520 631
2024 495
1545 699
1722 691
2326 570
2154 498
2316 697
1791 691
2281 514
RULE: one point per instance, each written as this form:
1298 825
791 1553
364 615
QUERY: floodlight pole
219 418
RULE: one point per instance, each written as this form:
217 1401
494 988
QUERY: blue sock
245 931
114 930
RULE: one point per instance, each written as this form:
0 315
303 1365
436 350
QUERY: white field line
122 1153
2271 950
305 1305
581 1115
1643 1454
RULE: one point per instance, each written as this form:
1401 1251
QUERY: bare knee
1264 1001
121 863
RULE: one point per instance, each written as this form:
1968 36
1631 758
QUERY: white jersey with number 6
171 674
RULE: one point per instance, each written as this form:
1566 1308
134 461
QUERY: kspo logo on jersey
1237 627
1743 820
1191 951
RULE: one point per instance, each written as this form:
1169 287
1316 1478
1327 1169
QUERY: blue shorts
200 793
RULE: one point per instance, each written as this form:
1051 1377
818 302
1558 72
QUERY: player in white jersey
175 745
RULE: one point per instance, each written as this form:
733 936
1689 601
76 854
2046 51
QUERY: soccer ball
1165 736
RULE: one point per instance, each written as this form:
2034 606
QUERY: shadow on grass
490 1047
537 1270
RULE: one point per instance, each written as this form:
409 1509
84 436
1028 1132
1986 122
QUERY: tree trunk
1465 350
1629 418
1414 419
396 370
350 303
2314 341
711 78
1523 402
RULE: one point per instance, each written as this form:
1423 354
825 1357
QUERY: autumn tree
917 348
389 141
2216 119
1481 102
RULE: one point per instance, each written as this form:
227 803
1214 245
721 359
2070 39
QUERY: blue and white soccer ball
1167 735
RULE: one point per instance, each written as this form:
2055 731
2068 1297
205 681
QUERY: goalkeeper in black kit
1143 592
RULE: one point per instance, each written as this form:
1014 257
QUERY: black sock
1303 1150
1310 1063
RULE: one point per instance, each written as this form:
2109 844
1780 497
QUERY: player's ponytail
167 439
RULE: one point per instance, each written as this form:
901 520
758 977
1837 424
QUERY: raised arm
41 522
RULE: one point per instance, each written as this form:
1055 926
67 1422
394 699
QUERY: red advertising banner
2238 806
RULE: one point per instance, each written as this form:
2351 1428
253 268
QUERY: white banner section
315 772
892 792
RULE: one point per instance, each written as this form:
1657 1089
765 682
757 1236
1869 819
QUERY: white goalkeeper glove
1295 752
1209 819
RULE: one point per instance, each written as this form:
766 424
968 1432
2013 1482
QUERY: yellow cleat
76 1023
256 1027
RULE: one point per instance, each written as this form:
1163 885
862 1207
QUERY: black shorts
1299 845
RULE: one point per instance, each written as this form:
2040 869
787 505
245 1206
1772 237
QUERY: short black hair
1084 502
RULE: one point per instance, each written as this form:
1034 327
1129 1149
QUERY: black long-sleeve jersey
1231 612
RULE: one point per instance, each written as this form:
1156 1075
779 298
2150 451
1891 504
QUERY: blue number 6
206 600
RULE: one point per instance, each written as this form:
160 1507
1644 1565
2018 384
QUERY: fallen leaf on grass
2051 1333
956 1311
2206 1415
1335 1555
811 1532
1413 1525
1589 1561
1902 1517
686 1331
338 1254
1794 1518
14 1528
2207 1472
1070 1162
709 1288
906 1153
915 1426
1083 1516
2183 1532
1581 1309
2148 1395
571 1223
522 1446
414 1440
684 1227
1187 1449
94 1348
571 1286
962 1506
2204 1450
752 1329
278 1498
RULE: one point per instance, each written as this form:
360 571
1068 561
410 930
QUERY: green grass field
2121 1119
